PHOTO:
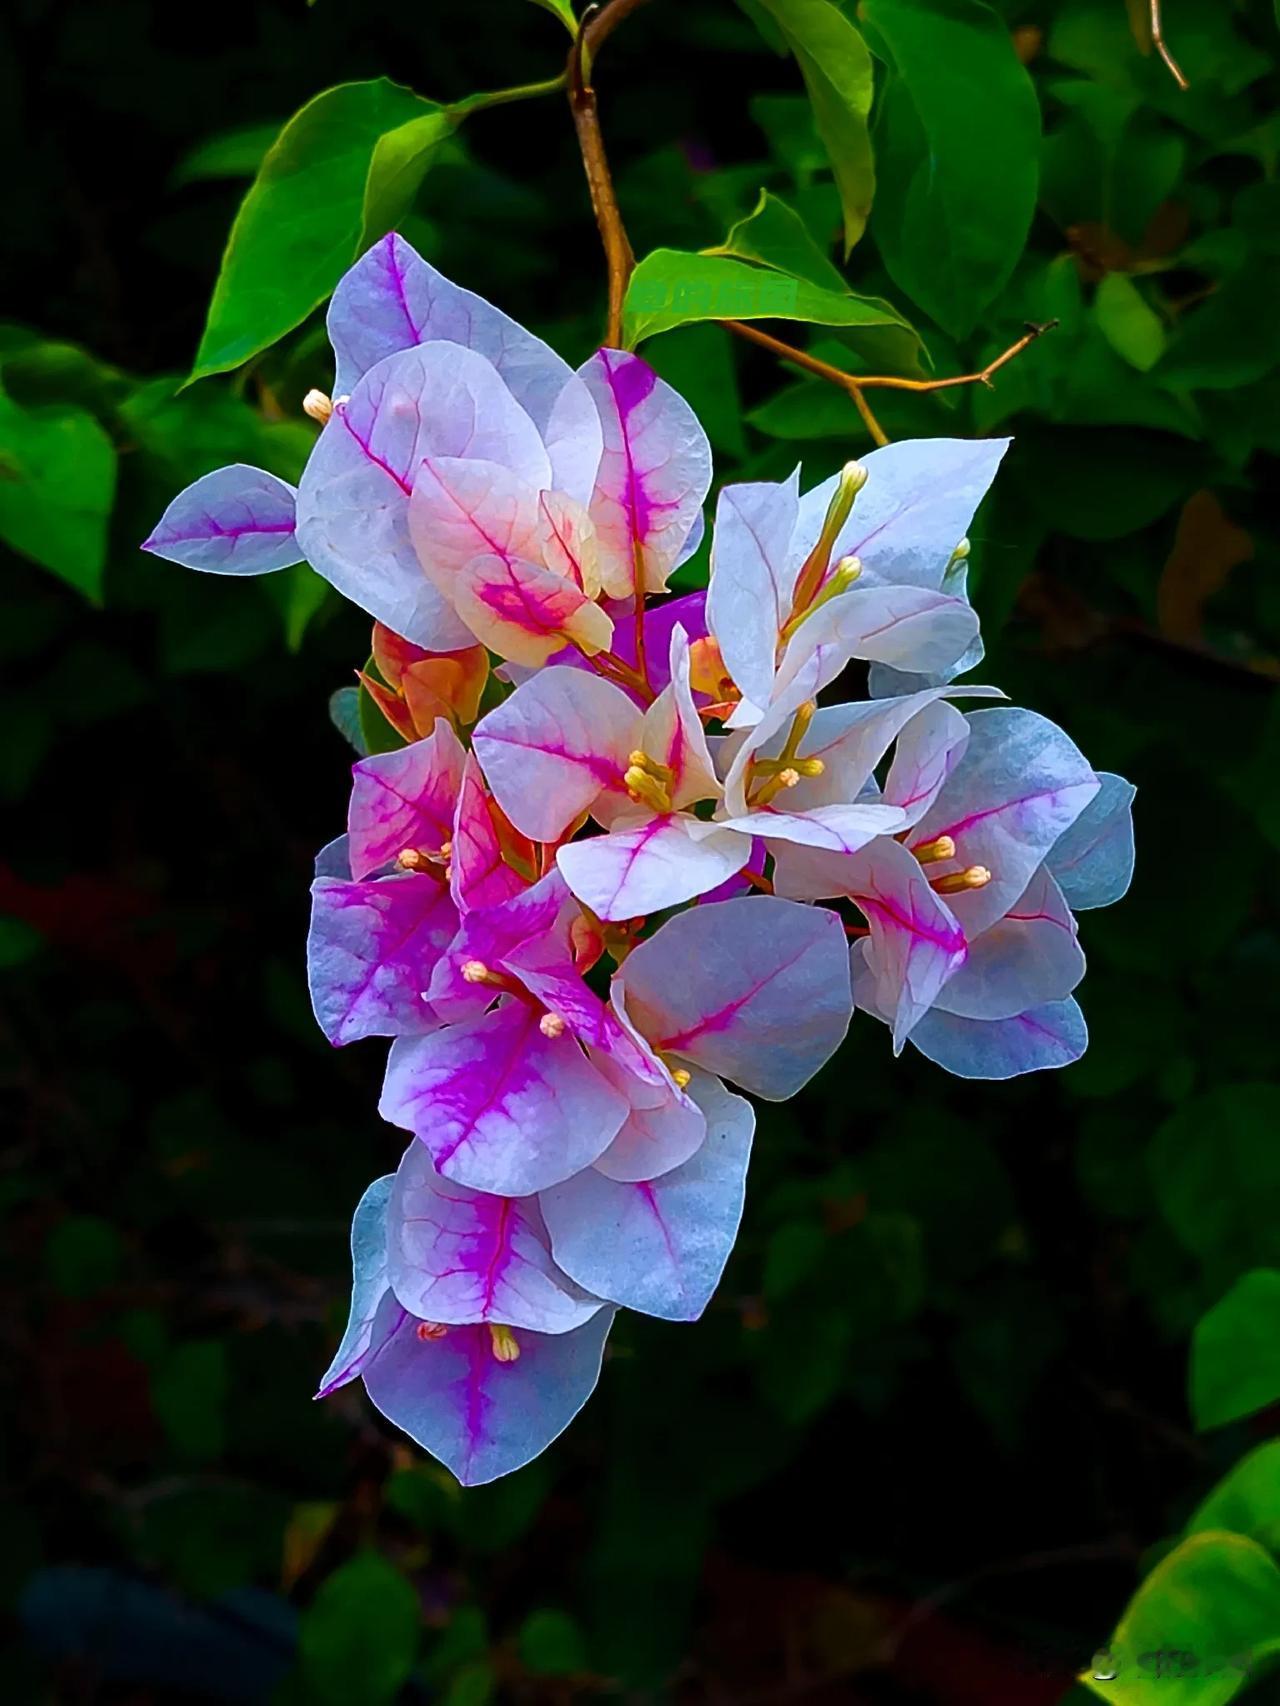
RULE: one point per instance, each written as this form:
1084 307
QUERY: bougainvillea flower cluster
625 857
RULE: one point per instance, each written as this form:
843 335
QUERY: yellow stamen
551 1025
318 405
506 1347
646 789
682 1077
787 778
476 971
841 579
801 766
941 847
409 859
446 851
853 477
651 767
976 877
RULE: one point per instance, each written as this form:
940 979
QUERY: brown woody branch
597 26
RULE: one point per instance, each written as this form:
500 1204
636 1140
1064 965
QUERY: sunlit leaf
1128 322
1197 1629
1246 1500
775 235
338 175
670 288
836 68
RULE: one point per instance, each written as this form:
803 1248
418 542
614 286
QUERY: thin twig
1158 42
854 382
872 425
596 28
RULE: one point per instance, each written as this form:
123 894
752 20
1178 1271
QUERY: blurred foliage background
990 1363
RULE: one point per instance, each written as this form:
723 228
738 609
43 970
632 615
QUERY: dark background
922 1441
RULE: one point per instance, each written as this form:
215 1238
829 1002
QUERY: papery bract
481 1417
654 472
457 1256
1020 785
1093 860
659 1245
755 990
405 800
369 1285
235 521
393 300
501 1106
439 400
370 952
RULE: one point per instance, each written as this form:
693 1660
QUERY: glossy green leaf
957 144
57 482
338 175
400 160
775 235
359 1637
670 288
836 68
1235 1351
1215 1166
1127 321
1201 1624
1246 1500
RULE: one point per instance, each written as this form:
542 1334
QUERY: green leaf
232 154
1216 1169
957 139
344 714
1233 338
698 362
1235 1352
57 483
551 1644
189 1397
335 179
82 1255
19 942
775 235
671 288
299 594
1196 1628
1130 325
400 160
836 68
560 9
358 1638
1246 1500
